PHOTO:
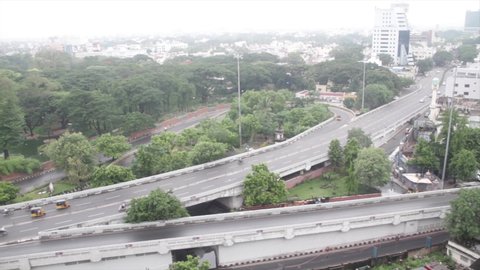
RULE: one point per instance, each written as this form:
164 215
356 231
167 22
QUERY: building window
456 84
465 93
467 85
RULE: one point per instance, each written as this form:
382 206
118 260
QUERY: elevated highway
235 237
221 178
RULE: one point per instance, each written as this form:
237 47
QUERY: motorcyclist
122 207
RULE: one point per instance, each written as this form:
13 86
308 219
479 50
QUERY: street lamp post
239 97
363 87
445 159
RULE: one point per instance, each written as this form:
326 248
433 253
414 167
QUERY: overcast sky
88 18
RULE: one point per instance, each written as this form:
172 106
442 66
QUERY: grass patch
412 263
40 193
328 185
319 187
29 149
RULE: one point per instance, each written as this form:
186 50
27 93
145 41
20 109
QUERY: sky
22 19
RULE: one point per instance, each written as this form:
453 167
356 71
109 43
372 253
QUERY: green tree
467 53
349 102
376 95
136 121
351 182
386 59
112 146
158 205
463 165
463 221
263 187
74 153
204 152
441 58
8 192
11 124
424 157
335 153
192 263
109 175
363 139
350 152
424 65
372 167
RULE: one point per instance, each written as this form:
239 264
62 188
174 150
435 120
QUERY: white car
422 100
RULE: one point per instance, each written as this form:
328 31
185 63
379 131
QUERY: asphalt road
224 226
347 256
21 225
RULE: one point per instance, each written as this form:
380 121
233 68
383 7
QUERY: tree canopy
363 139
158 205
335 153
463 221
112 174
372 167
192 263
74 153
424 157
263 187
11 123
463 165
112 145
8 192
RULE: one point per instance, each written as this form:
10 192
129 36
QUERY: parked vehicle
3 231
62 204
37 212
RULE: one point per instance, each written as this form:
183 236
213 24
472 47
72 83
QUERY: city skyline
43 19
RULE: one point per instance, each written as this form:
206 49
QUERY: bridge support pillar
232 202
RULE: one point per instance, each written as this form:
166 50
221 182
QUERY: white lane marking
80 204
208 187
18 217
94 215
113 197
31 229
140 191
66 221
183 193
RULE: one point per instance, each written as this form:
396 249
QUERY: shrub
18 164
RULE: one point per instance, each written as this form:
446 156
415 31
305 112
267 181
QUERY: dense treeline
96 95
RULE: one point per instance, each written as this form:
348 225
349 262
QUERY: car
338 118
422 100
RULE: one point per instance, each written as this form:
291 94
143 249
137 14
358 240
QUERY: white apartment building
467 83
391 34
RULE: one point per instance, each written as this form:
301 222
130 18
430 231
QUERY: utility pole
239 98
445 159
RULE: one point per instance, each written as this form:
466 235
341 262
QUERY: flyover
236 237
220 178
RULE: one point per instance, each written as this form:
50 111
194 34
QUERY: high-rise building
391 34
472 22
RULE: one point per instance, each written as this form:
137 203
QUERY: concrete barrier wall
344 226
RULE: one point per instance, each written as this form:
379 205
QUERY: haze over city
42 19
